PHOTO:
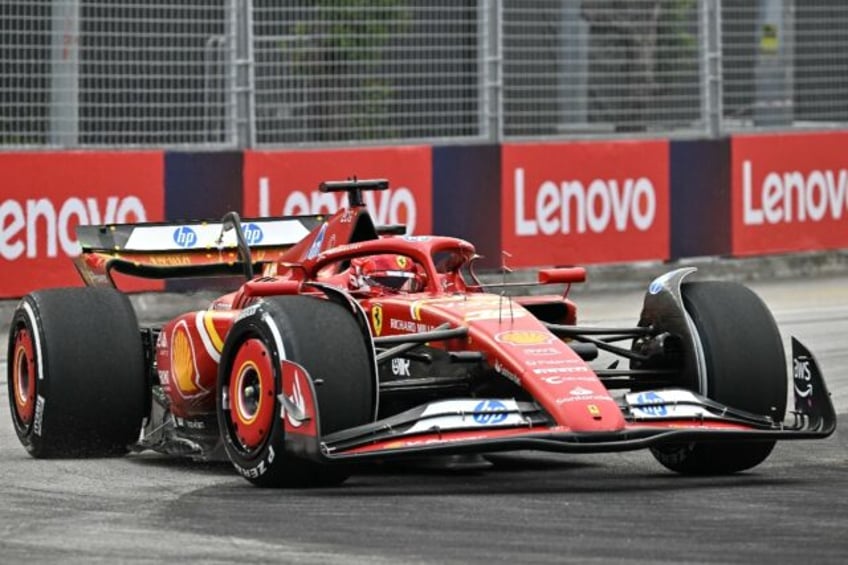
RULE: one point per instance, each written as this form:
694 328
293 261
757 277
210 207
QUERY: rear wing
184 249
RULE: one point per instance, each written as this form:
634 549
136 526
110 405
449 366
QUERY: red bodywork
577 411
512 338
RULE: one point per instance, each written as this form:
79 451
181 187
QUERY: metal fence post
711 82
491 79
773 82
64 73
245 88
573 79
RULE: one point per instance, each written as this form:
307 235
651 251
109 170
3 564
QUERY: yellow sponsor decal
394 444
769 40
214 336
402 261
415 310
377 319
594 410
182 361
169 260
524 337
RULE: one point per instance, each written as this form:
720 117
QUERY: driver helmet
389 272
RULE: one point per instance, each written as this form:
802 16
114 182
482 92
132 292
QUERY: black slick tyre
327 342
76 373
745 369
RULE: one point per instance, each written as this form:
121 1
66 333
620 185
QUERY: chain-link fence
356 71
601 67
116 73
207 74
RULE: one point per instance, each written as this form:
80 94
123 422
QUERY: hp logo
489 412
185 237
252 234
658 409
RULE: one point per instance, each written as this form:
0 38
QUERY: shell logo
183 361
524 337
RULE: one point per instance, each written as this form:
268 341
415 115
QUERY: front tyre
76 373
327 342
745 369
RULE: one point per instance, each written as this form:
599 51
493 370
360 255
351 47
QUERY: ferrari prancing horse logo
377 319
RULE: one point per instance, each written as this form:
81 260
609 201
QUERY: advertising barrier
578 203
46 195
789 192
286 183
700 198
466 197
541 203
202 185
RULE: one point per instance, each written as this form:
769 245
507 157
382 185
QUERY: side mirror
566 275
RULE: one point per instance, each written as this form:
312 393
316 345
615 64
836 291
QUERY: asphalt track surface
526 508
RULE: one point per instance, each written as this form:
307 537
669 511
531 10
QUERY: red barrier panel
789 192
578 203
46 195
286 183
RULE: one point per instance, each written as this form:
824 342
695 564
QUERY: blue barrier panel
467 197
202 185
700 198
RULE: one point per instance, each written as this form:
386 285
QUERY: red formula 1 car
350 342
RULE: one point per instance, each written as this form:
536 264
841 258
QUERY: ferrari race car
349 342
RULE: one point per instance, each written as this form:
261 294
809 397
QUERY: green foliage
360 28
677 61
677 26
344 43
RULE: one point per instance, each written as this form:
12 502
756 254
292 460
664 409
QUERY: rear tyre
324 339
745 369
76 373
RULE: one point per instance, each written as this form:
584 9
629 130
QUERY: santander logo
39 226
570 206
792 196
393 206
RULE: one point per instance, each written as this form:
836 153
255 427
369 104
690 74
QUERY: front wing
489 425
